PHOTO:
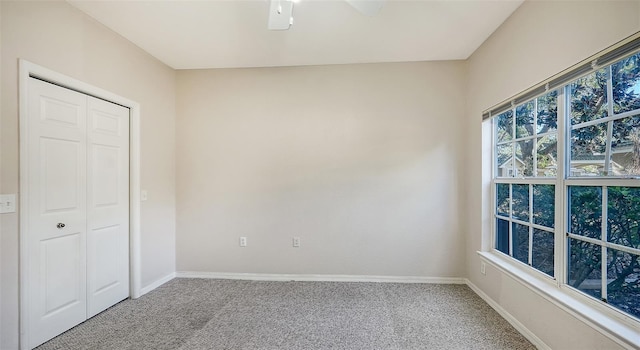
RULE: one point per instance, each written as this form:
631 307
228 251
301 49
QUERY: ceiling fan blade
280 14
367 7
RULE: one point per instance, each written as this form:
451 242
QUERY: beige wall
59 37
540 39
360 161
1 147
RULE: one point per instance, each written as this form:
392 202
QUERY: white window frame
612 322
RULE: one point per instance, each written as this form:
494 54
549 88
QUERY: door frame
27 70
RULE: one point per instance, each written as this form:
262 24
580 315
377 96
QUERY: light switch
143 195
7 203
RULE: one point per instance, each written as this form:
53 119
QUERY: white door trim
26 70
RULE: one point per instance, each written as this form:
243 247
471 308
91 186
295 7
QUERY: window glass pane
625 75
623 281
585 211
625 147
521 242
502 236
542 254
588 150
588 97
502 199
544 205
547 154
524 119
524 158
505 161
520 205
548 112
505 126
584 272
623 220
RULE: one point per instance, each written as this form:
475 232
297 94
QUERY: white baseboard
323 278
157 283
537 342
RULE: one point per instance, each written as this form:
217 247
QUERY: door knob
60 225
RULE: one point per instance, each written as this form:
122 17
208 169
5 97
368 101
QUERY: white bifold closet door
78 208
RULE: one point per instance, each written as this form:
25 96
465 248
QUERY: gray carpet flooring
189 313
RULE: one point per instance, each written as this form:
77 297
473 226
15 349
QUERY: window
526 169
603 244
566 184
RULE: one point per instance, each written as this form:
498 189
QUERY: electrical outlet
243 241
483 268
7 203
296 242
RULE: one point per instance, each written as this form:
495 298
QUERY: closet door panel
56 217
108 204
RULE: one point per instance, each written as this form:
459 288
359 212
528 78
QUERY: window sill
622 329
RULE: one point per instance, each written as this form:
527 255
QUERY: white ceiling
223 34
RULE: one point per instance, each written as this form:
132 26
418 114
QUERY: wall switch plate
296 242
7 203
243 241
483 268
143 195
